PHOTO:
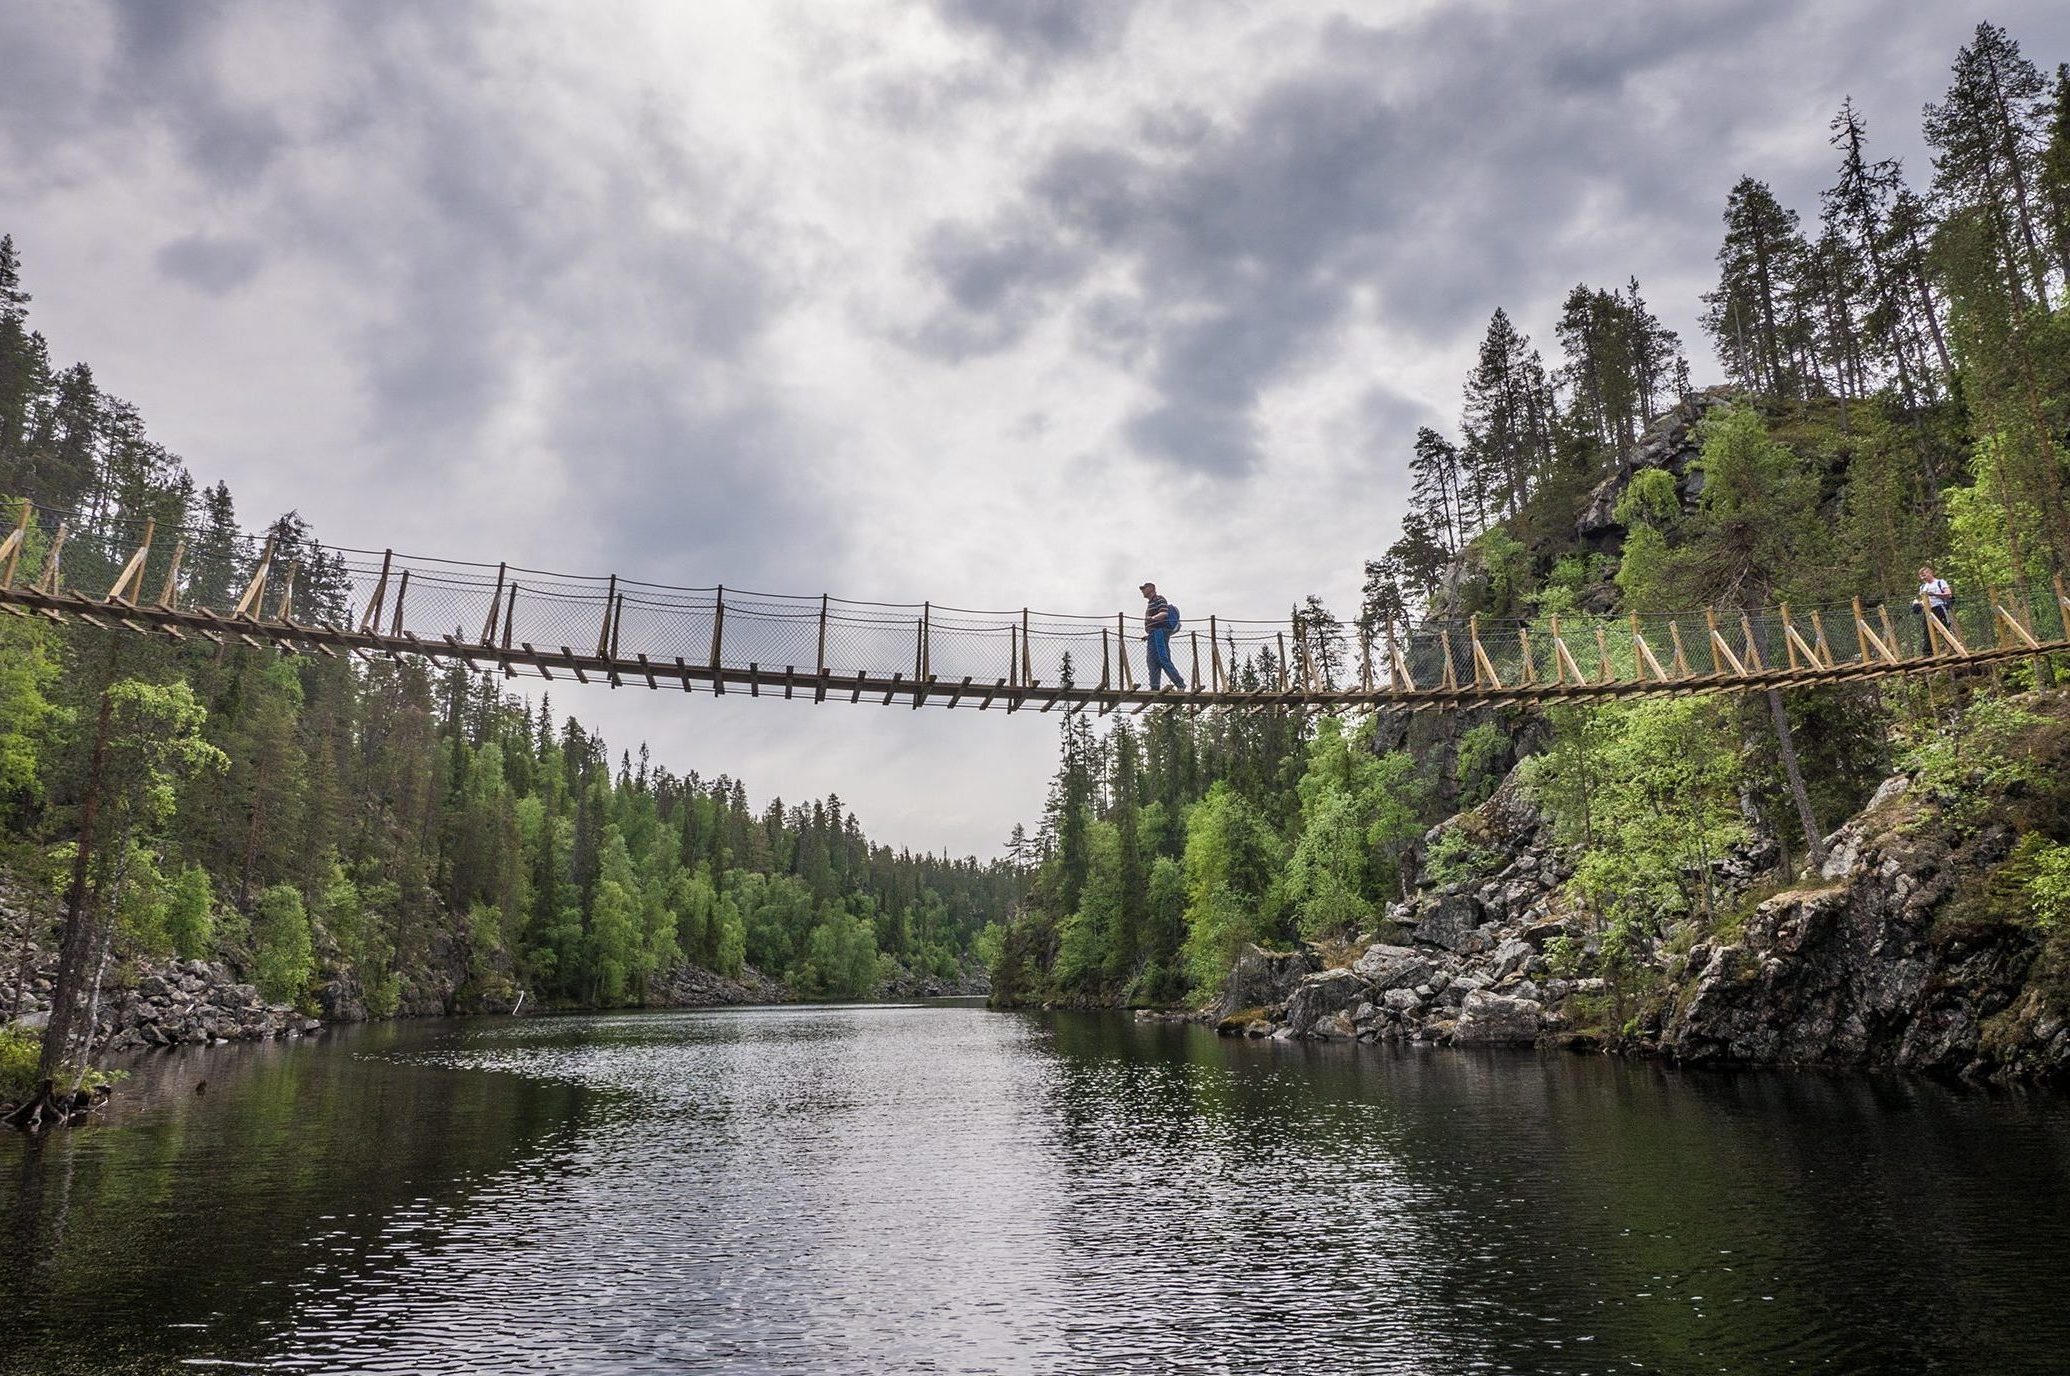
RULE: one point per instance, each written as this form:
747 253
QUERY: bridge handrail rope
237 587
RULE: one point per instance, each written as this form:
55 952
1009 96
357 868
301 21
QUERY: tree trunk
1786 746
76 948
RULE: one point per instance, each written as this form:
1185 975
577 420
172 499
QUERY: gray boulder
1393 967
1323 996
1261 978
1451 922
1494 1020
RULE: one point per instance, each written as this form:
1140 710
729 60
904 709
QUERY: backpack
1171 618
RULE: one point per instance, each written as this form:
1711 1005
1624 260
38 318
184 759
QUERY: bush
19 1050
282 956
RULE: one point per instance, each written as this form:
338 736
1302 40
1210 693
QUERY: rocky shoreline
1889 957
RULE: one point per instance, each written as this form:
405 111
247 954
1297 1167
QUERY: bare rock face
1880 963
1393 967
1671 444
1323 996
1498 1020
1261 978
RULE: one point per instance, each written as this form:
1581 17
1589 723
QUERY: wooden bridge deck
621 632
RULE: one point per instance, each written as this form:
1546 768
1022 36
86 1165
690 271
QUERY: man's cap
1141 586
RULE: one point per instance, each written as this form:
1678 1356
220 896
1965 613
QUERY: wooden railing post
169 595
820 658
1365 657
610 611
1603 654
1027 656
718 639
1215 644
370 619
495 605
2062 604
11 548
284 613
402 595
1681 653
1193 683
1106 668
247 605
926 639
1128 678
129 584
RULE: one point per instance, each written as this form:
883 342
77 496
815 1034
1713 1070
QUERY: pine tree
1747 314
1987 138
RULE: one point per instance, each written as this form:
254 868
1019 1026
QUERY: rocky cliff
1914 948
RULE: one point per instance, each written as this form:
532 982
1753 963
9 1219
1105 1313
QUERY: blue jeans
1161 658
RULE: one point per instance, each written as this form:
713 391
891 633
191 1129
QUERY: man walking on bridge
1160 619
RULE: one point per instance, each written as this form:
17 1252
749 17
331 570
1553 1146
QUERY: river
945 1189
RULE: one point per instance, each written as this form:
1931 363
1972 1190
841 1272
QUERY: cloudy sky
997 302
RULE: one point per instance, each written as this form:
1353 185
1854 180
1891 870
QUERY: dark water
945 1189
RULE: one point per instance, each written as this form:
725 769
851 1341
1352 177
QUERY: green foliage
2048 886
841 960
1648 793
19 1050
28 666
1979 759
1994 534
1456 856
283 957
190 921
1649 499
1231 861
1479 757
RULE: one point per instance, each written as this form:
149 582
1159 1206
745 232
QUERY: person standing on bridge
1160 619
1935 596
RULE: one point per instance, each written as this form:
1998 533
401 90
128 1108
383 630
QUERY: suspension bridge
236 589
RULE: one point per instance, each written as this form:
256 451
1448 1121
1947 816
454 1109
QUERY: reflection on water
945 1189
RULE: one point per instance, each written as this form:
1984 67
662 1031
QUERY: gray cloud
1478 156
210 264
1048 28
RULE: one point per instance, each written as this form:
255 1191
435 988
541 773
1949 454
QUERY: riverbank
1915 946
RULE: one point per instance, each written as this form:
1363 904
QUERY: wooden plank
961 688
648 669
1451 675
1681 652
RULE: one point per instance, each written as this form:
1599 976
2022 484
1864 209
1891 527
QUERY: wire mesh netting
505 609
